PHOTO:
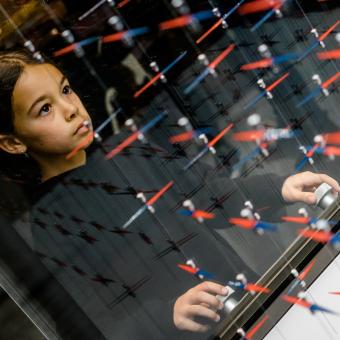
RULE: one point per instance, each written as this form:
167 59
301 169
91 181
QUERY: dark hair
12 64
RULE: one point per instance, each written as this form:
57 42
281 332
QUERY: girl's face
48 115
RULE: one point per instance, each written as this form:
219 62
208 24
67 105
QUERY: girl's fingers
309 179
212 287
200 300
329 180
301 187
202 297
306 197
197 310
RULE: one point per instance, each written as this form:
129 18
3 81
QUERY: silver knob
228 302
324 196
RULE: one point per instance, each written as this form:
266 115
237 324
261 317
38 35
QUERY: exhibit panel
299 323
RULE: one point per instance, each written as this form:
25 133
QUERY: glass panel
190 127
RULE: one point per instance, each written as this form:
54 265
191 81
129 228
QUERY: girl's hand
301 187
199 301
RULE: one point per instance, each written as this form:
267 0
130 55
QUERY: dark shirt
126 281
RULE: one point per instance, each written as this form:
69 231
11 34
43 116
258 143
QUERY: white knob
324 196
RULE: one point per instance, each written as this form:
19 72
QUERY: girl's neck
51 167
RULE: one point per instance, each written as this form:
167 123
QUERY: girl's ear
11 144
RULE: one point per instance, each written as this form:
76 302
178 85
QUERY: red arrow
305 272
316 235
182 137
296 219
221 56
331 151
332 137
147 85
122 3
188 269
80 146
295 300
243 222
253 330
123 145
220 135
334 54
331 80
203 214
277 82
160 193
211 29
329 31
256 288
248 136
260 6
263 63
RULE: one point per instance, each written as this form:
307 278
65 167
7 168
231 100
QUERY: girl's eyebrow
39 99
63 78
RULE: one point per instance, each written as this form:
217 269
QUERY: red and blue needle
321 147
309 152
75 46
320 89
134 32
210 69
148 204
209 146
319 40
197 214
188 135
321 236
269 62
303 220
262 138
135 135
329 151
267 135
185 20
160 74
249 135
266 90
250 287
259 6
313 307
202 274
92 134
251 224
299 278
106 39
219 22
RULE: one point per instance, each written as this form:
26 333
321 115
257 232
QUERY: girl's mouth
84 127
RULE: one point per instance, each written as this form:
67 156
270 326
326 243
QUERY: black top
126 281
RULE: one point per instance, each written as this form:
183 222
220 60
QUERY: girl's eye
67 89
45 109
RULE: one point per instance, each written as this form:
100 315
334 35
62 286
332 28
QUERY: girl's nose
71 116
70 111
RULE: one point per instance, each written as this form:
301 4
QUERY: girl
126 281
